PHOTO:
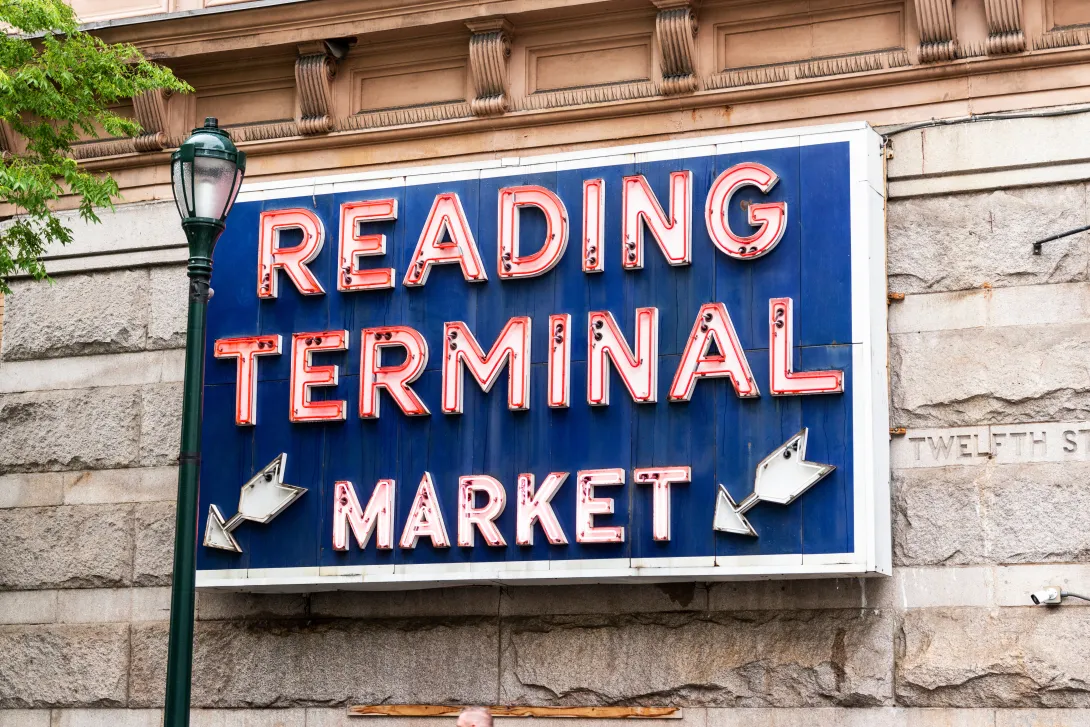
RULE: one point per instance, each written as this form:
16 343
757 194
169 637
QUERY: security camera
1051 596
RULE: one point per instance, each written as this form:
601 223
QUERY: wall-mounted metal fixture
1077 230
1053 596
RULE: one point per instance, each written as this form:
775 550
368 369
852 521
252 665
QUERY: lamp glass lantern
206 173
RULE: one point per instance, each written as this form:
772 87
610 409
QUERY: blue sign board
663 362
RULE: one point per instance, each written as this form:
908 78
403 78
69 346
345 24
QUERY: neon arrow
262 498
780 478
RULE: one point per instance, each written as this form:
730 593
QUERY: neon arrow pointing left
262 498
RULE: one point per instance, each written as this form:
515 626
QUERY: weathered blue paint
719 435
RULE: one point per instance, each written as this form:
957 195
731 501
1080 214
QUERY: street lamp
205 172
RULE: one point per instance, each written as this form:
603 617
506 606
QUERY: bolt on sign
663 361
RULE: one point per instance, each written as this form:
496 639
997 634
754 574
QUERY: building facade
985 145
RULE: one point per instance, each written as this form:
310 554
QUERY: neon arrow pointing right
780 478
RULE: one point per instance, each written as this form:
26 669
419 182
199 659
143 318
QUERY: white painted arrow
262 498
780 478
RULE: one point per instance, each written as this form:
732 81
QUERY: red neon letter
638 371
305 376
395 379
674 234
447 216
483 518
425 518
537 506
713 324
660 478
511 264
769 217
354 245
594 225
292 260
512 346
559 360
246 349
379 515
782 380
587 506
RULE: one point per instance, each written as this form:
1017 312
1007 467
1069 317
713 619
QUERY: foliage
56 82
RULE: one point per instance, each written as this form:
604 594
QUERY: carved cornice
1062 39
108 148
720 94
314 72
675 28
938 35
406 115
587 95
1005 33
817 68
264 131
150 109
489 50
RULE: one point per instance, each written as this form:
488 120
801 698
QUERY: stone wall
987 335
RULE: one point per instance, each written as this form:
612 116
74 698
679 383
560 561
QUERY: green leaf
56 82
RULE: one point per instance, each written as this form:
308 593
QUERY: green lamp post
205 172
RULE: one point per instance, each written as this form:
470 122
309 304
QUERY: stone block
151 604
95 605
1010 657
963 241
850 717
937 516
168 290
1017 513
787 595
64 666
136 484
438 602
750 659
1014 583
161 424
1037 513
249 718
87 372
604 598
28 607
24 718
941 587
31 490
109 718
990 375
103 312
227 605
247 664
1025 305
85 546
67 430
1042 718
153 560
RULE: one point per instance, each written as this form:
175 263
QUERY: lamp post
205 172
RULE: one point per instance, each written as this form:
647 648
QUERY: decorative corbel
150 109
489 49
1005 34
675 28
314 72
938 34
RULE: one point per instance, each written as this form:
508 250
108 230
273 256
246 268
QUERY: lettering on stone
996 443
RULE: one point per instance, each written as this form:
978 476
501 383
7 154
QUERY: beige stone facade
988 338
